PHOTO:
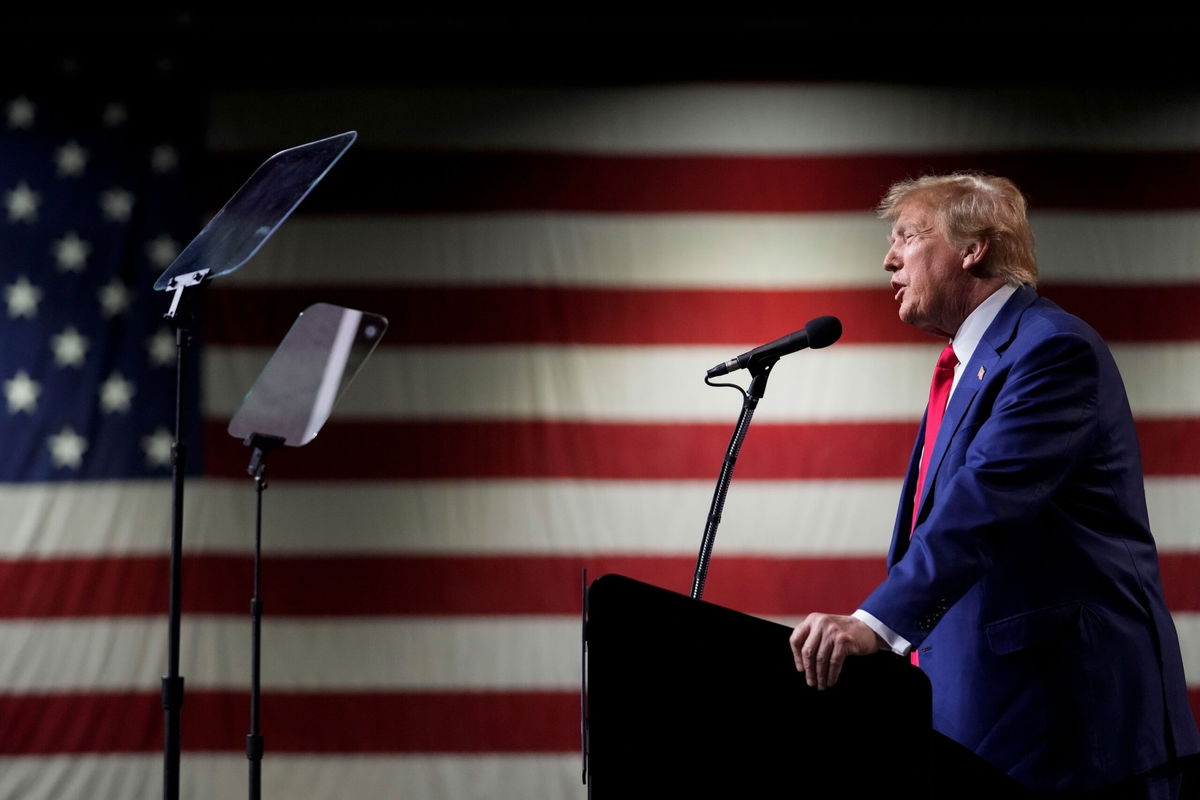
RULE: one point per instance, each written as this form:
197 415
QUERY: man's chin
908 317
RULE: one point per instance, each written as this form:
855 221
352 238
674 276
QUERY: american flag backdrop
559 268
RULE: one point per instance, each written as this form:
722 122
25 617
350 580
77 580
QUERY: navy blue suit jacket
1031 585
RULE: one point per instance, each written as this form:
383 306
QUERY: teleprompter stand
227 242
181 317
288 404
260 445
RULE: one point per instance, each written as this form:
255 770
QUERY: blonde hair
970 205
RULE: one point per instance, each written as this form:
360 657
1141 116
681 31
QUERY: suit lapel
960 403
994 341
903 530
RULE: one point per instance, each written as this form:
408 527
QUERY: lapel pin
980 375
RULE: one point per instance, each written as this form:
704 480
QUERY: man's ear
973 253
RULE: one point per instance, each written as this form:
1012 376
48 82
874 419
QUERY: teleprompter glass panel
297 389
257 209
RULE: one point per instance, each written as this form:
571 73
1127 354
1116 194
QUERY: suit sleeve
1042 421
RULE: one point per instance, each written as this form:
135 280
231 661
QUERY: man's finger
796 640
808 658
824 656
808 651
835 665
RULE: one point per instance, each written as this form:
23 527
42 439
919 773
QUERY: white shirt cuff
899 645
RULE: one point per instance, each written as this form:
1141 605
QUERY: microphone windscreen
823 331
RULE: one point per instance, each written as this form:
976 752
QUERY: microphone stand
759 370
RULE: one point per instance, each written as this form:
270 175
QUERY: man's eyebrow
900 229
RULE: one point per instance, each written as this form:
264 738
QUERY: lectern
689 699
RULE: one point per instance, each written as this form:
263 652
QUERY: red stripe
375 722
408 450
422 315
1170 446
399 181
546 315
404 450
414 585
1181 580
365 586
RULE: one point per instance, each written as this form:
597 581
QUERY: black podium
686 699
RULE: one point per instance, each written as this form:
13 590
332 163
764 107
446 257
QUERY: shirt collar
978 321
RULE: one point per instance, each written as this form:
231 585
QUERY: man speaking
1022 575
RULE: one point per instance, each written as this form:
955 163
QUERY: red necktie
939 393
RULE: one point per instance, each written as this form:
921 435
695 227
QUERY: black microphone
818 333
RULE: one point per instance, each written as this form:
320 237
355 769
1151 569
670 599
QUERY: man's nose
890 262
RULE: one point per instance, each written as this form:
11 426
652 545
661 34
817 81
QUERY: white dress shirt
969 334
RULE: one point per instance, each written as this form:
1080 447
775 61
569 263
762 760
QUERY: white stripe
1162 380
1187 625
419 776
312 654
308 654
453 517
844 383
628 384
816 119
738 251
786 518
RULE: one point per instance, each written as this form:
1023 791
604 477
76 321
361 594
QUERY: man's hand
821 642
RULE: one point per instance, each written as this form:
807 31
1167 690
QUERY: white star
20 113
71 159
22 203
117 204
114 298
114 114
69 347
116 394
158 447
22 392
71 253
162 250
67 448
162 348
23 298
163 159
